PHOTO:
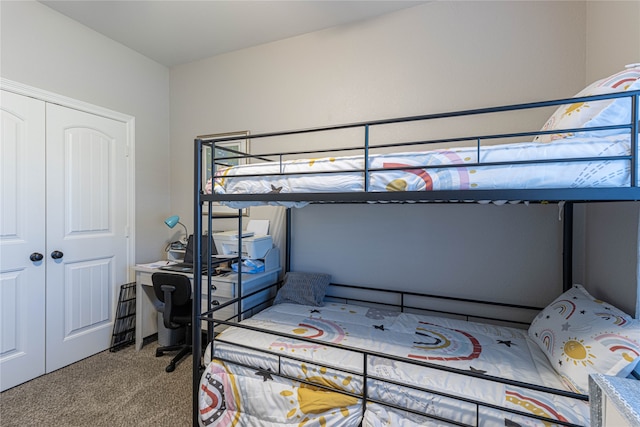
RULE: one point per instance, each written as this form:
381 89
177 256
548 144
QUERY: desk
226 288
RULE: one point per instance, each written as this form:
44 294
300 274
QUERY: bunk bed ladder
197 369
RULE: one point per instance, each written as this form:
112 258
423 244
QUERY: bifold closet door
63 234
22 239
87 197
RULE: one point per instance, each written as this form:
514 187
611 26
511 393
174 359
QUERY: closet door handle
36 256
56 254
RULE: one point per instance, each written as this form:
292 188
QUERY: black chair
174 290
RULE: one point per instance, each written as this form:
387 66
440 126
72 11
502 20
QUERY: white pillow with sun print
581 335
595 113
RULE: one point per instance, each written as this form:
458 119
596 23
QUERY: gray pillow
303 288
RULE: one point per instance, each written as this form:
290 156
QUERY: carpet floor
123 388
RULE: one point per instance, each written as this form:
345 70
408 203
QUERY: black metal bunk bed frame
566 196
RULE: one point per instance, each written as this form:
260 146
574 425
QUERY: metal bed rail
630 192
368 378
403 306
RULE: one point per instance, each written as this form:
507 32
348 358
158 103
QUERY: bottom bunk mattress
240 386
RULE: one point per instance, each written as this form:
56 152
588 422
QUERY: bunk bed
323 353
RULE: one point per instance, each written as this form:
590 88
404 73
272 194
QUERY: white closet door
22 233
86 232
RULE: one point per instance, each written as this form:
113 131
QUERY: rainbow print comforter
447 169
252 395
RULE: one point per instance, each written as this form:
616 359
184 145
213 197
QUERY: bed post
197 280
287 251
567 247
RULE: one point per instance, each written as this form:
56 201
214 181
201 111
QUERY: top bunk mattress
578 162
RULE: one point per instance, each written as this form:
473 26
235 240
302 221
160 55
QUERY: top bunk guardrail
593 160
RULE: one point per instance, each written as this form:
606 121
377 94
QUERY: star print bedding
248 395
432 170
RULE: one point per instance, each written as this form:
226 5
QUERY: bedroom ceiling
181 31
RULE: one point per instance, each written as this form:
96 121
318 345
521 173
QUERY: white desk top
226 277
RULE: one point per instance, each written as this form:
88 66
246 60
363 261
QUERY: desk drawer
226 312
144 278
227 285
222 289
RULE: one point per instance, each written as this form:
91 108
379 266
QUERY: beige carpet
123 388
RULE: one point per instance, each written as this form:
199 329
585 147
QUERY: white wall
439 248
612 254
434 57
613 37
44 49
612 246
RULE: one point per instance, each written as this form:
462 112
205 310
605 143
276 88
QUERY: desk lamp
172 221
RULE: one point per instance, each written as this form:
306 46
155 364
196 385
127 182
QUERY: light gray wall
439 248
612 256
613 37
435 57
612 246
46 50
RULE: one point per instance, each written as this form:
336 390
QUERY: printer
253 246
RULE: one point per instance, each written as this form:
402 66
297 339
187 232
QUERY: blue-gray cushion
303 288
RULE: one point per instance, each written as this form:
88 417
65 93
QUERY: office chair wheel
159 352
171 367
